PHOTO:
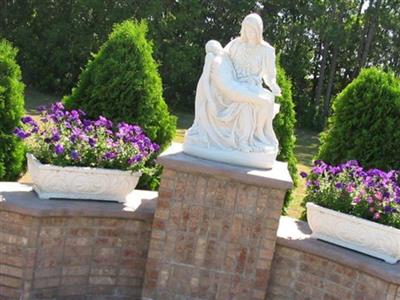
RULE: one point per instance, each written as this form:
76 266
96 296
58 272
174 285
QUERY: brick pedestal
214 230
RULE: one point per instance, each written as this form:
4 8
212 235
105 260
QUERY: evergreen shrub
12 154
122 83
365 124
284 126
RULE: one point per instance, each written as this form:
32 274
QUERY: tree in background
122 83
365 122
181 30
56 38
11 110
322 44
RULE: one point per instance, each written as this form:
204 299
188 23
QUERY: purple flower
21 134
103 122
29 120
352 163
303 174
57 106
110 155
57 112
318 170
135 158
92 142
75 155
379 191
388 209
76 133
59 149
155 147
127 142
339 185
68 125
83 137
74 115
318 162
55 135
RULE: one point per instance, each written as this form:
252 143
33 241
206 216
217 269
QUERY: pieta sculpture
233 110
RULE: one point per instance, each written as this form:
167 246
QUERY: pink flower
349 188
379 196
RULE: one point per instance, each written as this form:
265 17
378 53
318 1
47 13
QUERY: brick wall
299 275
17 253
304 268
72 257
90 251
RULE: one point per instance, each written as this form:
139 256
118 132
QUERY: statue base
214 229
259 160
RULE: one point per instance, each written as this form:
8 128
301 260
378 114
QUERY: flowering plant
348 188
66 138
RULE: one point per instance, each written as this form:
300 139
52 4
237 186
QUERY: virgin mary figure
233 110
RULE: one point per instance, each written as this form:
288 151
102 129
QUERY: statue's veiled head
252 29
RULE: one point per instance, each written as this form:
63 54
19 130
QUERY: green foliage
284 125
327 40
121 82
365 122
180 33
11 110
56 38
348 188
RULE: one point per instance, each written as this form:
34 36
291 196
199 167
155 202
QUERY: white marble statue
233 111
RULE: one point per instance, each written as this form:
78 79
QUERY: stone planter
81 182
354 233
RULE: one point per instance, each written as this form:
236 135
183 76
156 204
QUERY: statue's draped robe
233 111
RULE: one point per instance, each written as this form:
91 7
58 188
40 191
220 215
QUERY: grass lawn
306 146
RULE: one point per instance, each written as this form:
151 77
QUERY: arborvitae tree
11 111
365 124
284 126
122 83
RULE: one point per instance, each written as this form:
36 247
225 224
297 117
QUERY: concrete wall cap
22 199
278 177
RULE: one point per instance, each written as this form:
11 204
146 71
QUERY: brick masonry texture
213 238
72 257
300 275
